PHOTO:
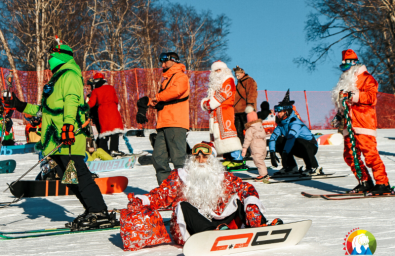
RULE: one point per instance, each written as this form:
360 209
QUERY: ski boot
362 187
118 153
97 220
380 189
264 179
287 171
315 171
77 220
276 221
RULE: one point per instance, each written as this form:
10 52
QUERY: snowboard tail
43 188
7 166
222 242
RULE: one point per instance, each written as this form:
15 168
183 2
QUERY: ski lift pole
45 157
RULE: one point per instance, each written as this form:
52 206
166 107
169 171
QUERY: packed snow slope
332 220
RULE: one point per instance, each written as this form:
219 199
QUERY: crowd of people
199 188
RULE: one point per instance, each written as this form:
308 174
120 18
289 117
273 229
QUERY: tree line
367 25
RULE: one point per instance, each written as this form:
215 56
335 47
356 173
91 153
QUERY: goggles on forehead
163 57
202 148
279 108
347 64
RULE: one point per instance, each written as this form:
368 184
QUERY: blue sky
266 35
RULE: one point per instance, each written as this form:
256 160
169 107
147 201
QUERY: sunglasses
202 148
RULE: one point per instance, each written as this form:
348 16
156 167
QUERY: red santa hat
98 76
349 55
218 65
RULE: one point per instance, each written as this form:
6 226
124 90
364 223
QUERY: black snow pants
86 190
114 143
170 142
302 148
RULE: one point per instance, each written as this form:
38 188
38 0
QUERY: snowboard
223 242
33 188
17 149
111 165
7 166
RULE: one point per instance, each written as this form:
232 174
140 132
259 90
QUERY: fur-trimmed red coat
169 193
110 120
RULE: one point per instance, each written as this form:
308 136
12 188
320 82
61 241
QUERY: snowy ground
332 220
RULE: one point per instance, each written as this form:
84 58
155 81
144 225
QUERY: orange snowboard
111 185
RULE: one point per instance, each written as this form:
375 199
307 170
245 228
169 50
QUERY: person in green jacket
63 111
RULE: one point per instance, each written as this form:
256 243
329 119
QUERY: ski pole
45 157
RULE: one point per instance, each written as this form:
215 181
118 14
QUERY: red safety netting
315 108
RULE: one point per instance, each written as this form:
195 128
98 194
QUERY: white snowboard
221 242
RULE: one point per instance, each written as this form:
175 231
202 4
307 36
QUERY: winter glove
14 102
142 106
68 134
274 159
284 159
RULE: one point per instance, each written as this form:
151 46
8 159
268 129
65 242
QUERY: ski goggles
202 148
163 57
347 64
279 108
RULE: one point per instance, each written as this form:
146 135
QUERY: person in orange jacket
172 104
360 88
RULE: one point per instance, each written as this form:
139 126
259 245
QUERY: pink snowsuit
255 138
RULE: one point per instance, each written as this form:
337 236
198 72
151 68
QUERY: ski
47 232
329 195
344 196
298 178
224 242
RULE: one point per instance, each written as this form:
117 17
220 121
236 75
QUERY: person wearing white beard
219 104
359 88
205 197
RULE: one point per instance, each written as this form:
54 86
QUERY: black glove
142 106
14 102
274 159
284 159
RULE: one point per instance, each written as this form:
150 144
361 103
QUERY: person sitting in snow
95 154
33 129
199 193
292 138
219 104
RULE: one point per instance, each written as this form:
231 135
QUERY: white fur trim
218 65
144 198
249 109
359 130
115 131
202 104
226 145
361 70
355 97
230 208
214 103
182 174
119 107
254 200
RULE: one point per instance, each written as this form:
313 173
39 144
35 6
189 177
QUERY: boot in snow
380 189
362 187
97 220
287 171
76 220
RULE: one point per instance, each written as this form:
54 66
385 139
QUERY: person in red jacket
360 89
105 98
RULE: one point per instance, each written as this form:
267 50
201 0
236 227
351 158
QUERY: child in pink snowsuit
255 138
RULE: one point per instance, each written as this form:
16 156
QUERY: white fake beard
204 187
216 80
347 83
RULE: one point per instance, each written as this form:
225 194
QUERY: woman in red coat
105 98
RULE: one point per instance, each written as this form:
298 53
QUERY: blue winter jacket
291 128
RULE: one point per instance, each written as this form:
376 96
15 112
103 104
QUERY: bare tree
367 24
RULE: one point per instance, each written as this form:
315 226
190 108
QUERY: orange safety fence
315 108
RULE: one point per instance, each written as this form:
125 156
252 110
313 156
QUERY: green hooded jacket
66 105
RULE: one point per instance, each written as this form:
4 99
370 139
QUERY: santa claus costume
219 103
110 126
203 197
360 89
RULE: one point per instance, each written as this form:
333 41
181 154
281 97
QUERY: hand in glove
274 159
68 134
142 106
14 102
284 159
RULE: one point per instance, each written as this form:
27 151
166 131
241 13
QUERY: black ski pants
198 223
86 190
114 143
302 148
240 121
170 142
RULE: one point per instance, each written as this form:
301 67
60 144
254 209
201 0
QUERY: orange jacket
363 110
174 115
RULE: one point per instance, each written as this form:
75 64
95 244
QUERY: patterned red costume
363 118
169 194
219 103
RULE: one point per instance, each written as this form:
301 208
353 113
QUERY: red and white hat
349 55
218 65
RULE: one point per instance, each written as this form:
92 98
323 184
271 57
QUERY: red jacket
110 120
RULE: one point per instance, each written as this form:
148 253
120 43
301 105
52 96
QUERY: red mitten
254 216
